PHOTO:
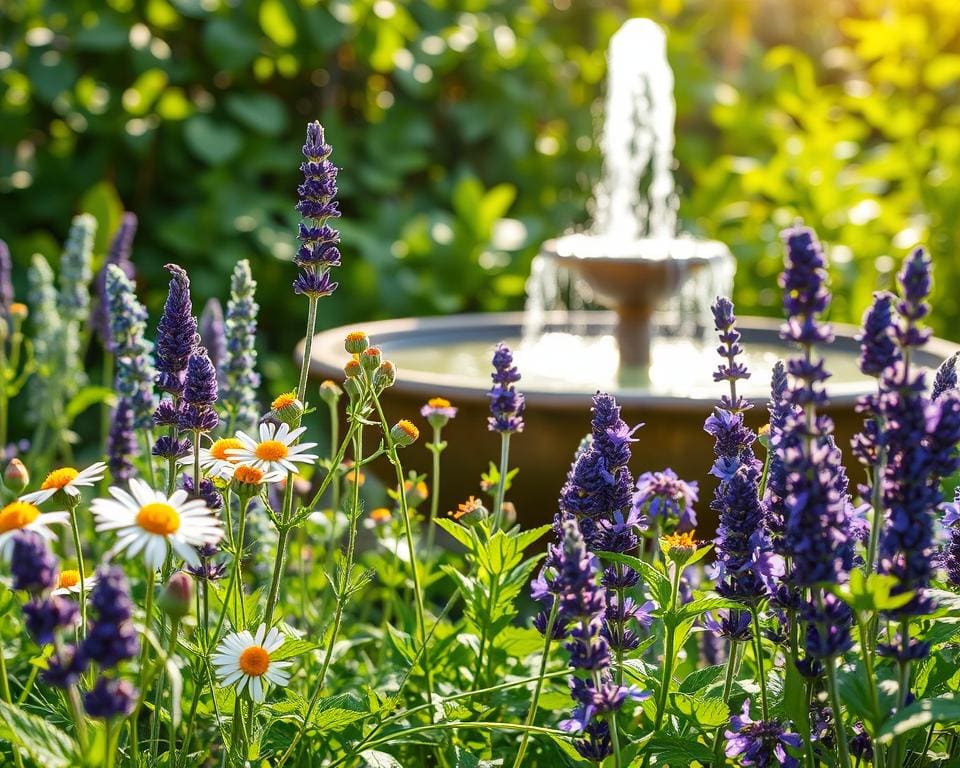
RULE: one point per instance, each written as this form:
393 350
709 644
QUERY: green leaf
678 751
705 604
291 648
457 531
698 681
920 714
705 713
795 699
869 594
103 203
373 758
46 744
525 538
260 112
211 141
276 24
85 398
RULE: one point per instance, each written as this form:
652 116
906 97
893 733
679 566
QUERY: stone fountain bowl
449 357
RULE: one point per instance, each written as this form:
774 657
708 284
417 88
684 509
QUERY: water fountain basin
450 357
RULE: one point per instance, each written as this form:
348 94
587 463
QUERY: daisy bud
177 596
470 512
679 547
352 369
287 408
370 359
385 375
19 311
354 389
356 342
404 433
330 393
15 476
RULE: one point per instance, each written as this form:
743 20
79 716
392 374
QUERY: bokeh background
465 131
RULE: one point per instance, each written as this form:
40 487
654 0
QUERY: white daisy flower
148 521
243 659
215 459
68 480
21 515
276 451
68 582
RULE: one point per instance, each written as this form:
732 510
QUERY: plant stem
147 620
761 677
74 525
535 699
436 449
5 691
172 648
668 654
841 734
502 485
148 456
307 347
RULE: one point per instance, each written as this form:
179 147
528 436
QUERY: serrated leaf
457 531
373 758
291 648
705 604
705 713
46 744
698 681
676 751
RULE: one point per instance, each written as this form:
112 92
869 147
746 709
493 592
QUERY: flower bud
404 433
352 369
470 512
356 342
330 393
354 389
287 408
679 547
385 375
370 359
18 311
15 476
176 598
438 412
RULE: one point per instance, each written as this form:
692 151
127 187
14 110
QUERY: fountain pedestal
634 279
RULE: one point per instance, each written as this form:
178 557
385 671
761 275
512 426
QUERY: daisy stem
172 746
535 699
196 462
436 448
334 439
237 579
147 620
307 346
83 586
502 485
758 645
5 690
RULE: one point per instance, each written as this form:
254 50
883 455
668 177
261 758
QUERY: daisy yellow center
284 400
254 661
158 518
18 514
681 539
272 450
220 447
59 478
380 515
438 402
247 475
409 429
69 578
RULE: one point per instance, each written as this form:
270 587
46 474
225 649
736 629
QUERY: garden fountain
652 345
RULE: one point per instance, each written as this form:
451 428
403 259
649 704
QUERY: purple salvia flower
213 332
176 333
112 636
506 403
828 627
6 280
68 664
135 374
946 377
200 382
45 616
915 281
32 565
318 252
730 370
878 347
119 256
208 492
760 743
110 698
949 558
239 379
774 500
663 495
121 443
168 447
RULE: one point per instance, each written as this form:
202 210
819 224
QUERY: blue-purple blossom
238 375
118 256
878 346
199 394
208 492
318 252
829 623
110 698
946 377
731 369
949 558
112 636
121 443
664 497
32 565
506 403
915 280
76 271
168 447
127 318
774 500
176 333
213 332
861 745
45 616
761 743
6 280
67 665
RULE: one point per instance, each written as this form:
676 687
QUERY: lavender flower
213 332
112 637
176 333
731 370
506 403
121 443
878 347
6 280
76 271
118 256
110 698
168 447
915 282
946 378
760 743
949 557
774 500
135 373
67 665
199 394
238 376
32 565
664 495
208 492
45 616
318 252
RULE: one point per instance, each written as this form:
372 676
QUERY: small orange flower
468 507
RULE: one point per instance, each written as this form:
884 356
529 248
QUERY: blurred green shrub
448 116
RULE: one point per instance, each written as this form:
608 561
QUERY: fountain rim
624 252
328 357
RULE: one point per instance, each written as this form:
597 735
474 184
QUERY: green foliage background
449 115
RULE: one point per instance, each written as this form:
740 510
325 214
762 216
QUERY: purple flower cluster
945 379
199 394
6 280
506 403
239 379
318 252
119 256
208 491
176 333
949 558
32 565
774 500
731 369
111 637
761 743
121 442
920 437
664 496
213 332
878 348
